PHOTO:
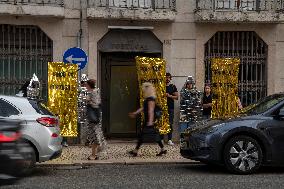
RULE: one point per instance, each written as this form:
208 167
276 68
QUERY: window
7 109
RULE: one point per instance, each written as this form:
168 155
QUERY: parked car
13 152
40 129
242 144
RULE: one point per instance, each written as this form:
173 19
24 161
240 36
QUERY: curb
101 162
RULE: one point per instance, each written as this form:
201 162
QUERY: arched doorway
118 76
252 51
24 50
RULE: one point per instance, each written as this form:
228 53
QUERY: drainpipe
80 33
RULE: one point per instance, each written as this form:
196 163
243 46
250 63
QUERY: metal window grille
252 51
24 50
34 2
240 5
134 4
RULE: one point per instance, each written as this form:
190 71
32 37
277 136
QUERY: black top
145 108
171 89
207 100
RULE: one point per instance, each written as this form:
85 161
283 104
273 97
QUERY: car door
275 128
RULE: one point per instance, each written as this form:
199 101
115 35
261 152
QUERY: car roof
21 103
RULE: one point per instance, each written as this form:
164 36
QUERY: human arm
207 101
173 96
151 107
240 106
133 114
208 105
173 93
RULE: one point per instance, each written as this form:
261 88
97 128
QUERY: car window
280 110
7 109
40 108
265 104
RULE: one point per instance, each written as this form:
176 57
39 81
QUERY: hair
148 90
207 85
92 83
168 74
24 88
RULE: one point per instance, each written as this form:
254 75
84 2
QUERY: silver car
40 127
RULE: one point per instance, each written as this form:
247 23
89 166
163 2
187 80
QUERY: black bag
93 114
158 112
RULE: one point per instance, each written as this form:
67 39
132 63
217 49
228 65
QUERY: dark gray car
242 144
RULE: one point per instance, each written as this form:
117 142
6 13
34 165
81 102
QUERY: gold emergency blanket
225 87
154 70
63 94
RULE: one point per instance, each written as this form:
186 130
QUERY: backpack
158 112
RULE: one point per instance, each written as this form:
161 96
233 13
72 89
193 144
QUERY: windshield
264 104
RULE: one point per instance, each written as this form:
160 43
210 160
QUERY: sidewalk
116 153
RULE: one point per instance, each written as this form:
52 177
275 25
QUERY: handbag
93 114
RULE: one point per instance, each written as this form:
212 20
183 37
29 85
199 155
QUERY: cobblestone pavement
116 152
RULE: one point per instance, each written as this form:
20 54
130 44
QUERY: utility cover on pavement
76 55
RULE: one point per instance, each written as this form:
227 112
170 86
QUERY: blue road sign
75 55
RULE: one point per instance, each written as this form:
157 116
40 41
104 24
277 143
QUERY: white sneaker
170 143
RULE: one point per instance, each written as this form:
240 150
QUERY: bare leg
94 152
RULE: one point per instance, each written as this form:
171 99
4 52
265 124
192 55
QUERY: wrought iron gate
252 51
24 50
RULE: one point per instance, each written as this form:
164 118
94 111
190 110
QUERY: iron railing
24 50
57 3
240 5
252 52
134 4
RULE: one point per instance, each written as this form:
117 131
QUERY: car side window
7 109
281 110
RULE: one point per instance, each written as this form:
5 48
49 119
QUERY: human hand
132 114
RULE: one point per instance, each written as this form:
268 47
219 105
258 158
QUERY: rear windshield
40 108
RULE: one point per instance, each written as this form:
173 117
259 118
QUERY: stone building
187 33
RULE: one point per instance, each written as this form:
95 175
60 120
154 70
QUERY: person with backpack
172 95
149 133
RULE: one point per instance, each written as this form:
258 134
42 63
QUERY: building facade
186 33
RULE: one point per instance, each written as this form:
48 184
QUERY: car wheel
242 155
29 155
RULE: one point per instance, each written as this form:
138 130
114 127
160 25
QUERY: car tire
242 155
29 155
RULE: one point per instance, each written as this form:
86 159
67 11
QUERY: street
149 176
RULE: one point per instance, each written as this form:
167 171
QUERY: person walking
148 130
95 135
207 102
172 95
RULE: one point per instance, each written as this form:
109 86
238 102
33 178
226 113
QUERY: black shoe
64 144
133 153
162 152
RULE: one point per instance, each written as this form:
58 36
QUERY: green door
123 99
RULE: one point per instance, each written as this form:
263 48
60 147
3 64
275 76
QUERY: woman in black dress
148 130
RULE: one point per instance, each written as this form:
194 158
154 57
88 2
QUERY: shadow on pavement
221 170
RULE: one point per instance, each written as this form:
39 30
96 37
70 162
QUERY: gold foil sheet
62 96
154 70
225 87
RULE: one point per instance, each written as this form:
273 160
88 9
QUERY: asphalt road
149 176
